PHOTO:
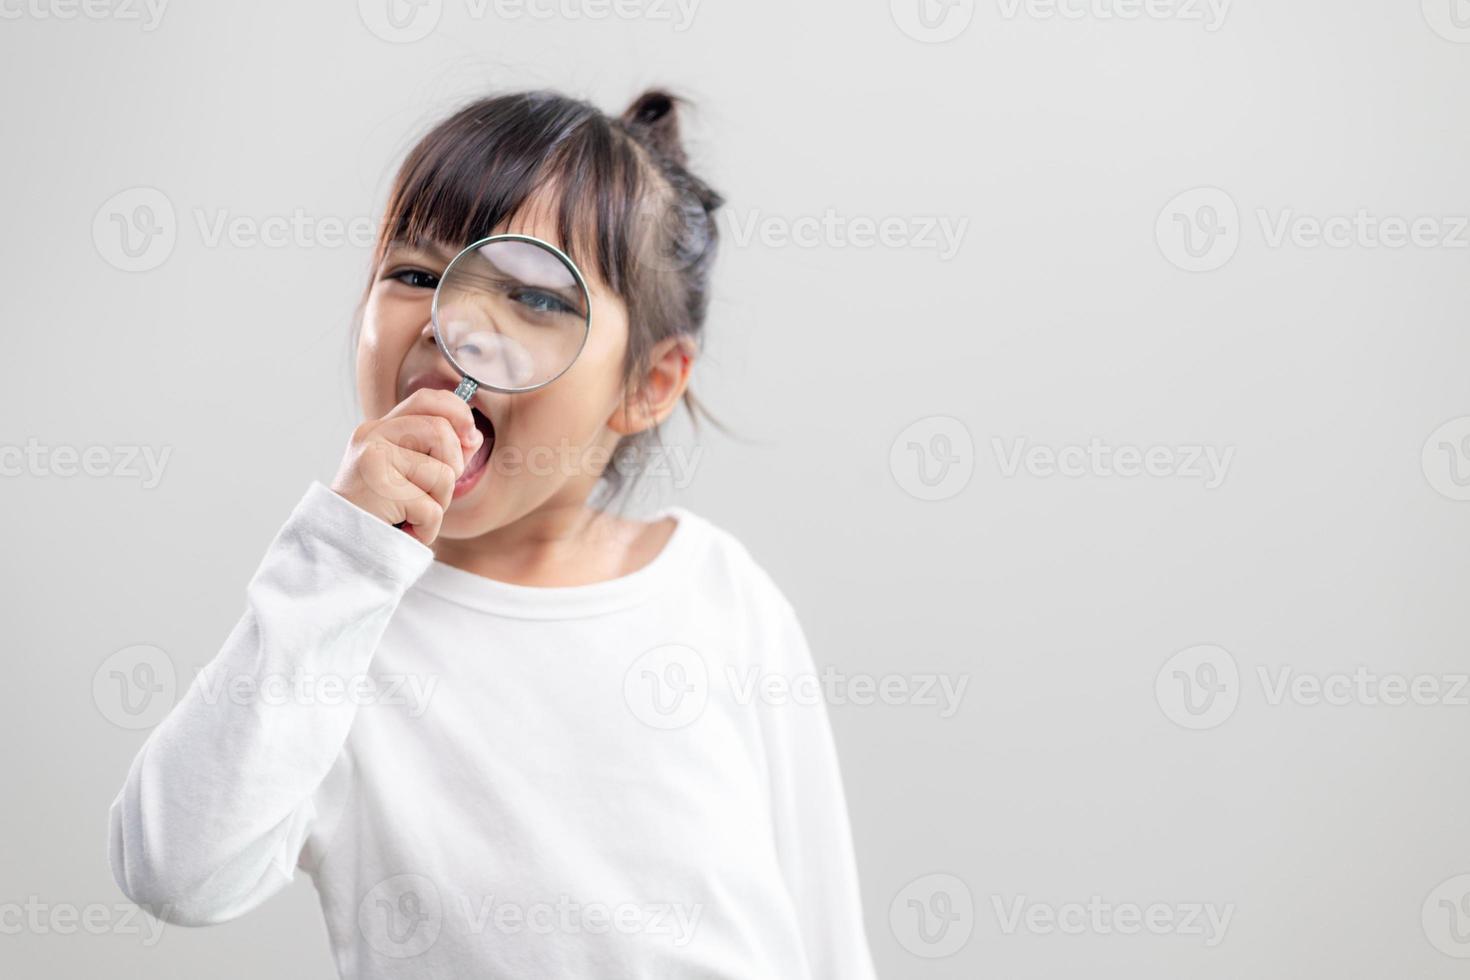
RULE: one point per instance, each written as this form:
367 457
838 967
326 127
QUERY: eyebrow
426 249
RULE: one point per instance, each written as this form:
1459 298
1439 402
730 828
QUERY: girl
506 732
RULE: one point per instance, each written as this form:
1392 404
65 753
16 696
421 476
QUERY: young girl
506 732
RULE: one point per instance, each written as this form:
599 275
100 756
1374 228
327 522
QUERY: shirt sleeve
219 800
813 836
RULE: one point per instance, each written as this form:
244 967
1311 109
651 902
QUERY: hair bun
654 118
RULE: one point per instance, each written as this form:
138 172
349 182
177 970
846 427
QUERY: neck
554 545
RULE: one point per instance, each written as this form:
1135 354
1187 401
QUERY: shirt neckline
568 601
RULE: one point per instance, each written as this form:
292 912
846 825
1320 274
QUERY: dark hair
628 206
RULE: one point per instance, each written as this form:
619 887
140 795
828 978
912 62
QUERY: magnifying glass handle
466 390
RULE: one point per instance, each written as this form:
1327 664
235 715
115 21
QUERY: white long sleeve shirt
491 780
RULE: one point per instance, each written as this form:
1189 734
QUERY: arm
813 837
218 801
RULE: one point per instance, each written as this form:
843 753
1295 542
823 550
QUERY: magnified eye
541 302
510 312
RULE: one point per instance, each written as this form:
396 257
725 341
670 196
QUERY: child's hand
402 467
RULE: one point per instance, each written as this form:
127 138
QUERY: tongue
476 462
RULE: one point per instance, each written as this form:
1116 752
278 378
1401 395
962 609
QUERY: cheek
389 331
599 368
576 405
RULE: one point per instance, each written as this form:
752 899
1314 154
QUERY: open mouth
475 465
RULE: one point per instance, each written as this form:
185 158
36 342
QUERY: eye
542 302
415 278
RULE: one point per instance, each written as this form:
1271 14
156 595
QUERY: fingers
427 435
414 488
395 474
402 467
423 515
433 477
442 404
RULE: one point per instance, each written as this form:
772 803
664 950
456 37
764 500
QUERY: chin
470 516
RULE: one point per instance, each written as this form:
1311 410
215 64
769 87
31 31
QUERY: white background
1071 313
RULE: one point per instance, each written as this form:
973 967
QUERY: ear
658 392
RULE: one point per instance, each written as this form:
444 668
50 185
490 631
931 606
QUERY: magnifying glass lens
511 313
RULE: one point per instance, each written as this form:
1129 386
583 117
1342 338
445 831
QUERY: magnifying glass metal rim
469 383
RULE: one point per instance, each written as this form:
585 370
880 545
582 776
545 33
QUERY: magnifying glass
511 314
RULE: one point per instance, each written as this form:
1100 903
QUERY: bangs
498 159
